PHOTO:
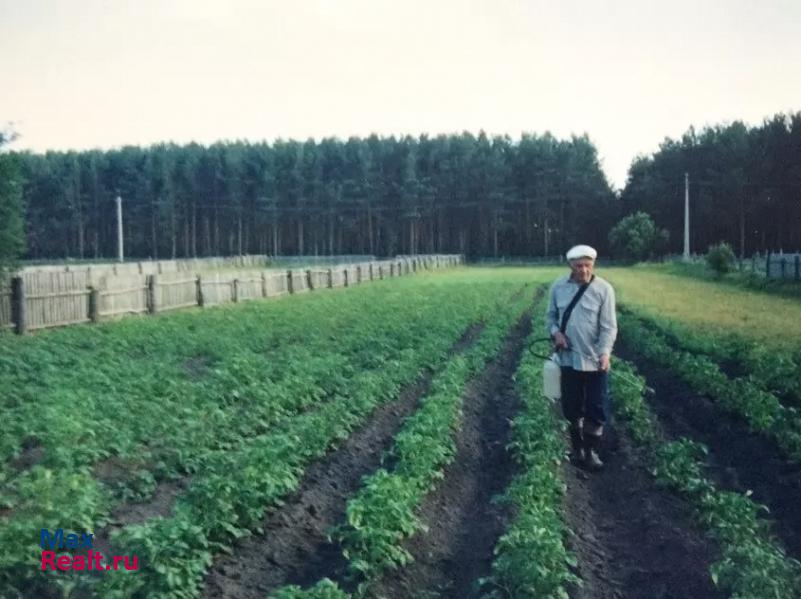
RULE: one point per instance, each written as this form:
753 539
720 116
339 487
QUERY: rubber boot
592 445
577 455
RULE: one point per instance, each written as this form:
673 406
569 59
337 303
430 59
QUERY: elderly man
582 323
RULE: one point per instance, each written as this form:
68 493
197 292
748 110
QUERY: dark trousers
585 395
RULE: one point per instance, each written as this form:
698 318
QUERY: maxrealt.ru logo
93 560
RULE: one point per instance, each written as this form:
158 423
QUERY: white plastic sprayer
552 375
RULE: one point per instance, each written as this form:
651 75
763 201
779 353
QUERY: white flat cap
581 251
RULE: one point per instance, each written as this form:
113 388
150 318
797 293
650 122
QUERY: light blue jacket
592 328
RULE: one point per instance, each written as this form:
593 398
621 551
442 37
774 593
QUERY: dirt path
464 524
739 460
632 539
294 547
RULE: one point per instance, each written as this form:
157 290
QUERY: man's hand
603 363
560 341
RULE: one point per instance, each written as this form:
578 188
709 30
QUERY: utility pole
119 229
686 217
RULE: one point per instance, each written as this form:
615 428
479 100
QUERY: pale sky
87 73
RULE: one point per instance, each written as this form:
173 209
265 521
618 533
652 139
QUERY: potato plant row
262 403
383 513
774 368
531 559
227 500
761 410
752 564
242 367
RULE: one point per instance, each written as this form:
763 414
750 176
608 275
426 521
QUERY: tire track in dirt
293 547
738 459
464 524
633 539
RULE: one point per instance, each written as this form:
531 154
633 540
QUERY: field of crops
391 440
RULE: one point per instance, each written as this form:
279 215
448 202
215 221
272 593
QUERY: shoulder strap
572 304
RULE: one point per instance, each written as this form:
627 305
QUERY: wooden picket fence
43 298
783 266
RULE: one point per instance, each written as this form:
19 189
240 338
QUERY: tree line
476 195
12 232
744 184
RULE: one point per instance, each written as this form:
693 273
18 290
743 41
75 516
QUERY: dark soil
32 454
464 524
160 504
115 471
119 475
197 367
28 458
632 539
518 294
738 460
732 367
294 548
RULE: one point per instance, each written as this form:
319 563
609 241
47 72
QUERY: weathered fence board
352 274
173 290
338 277
62 297
319 278
217 289
5 309
120 295
300 281
275 283
55 299
249 284
783 266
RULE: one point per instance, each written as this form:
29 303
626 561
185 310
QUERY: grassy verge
710 307
744 279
